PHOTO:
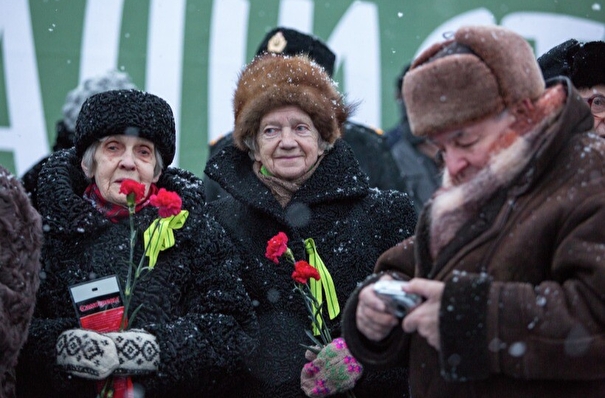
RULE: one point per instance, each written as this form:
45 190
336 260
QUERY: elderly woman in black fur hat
289 171
196 324
584 65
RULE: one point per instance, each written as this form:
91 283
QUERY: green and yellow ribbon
325 283
160 236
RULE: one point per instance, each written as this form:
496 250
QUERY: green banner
189 52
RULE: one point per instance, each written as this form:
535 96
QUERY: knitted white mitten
86 354
138 352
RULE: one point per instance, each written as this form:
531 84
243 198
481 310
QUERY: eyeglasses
597 104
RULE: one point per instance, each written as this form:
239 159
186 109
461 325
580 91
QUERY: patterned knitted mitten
138 352
86 354
334 370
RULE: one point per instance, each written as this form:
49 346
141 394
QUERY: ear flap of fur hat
273 81
128 112
589 65
477 74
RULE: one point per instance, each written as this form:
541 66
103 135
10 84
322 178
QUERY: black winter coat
193 300
351 225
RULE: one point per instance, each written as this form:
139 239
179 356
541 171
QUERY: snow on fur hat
583 63
292 42
129 112
273 81
475 75
112 80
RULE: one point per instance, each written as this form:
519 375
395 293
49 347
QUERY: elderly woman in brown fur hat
290 172
509 253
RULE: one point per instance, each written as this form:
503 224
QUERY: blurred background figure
20 243
66 127
584 65
367 143
416 158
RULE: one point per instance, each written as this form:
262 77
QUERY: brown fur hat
475 75
272 81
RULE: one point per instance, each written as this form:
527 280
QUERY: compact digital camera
398 301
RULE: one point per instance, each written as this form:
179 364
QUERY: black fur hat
583 63
589 65
287 41
130 112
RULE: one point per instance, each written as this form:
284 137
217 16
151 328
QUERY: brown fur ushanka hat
496 70
273 81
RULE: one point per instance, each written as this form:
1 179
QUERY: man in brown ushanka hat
508 255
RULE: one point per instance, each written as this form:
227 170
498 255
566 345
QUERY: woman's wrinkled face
596 95
287 142
120 157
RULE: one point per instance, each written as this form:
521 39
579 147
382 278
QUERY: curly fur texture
20 243
130 112
455 90
272 81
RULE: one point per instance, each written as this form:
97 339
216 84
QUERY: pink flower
311 368
168 203
340 343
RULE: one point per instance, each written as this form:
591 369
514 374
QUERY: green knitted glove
333 370
86 354
138 352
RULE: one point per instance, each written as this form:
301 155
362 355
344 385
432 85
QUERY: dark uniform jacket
416 174
351 225
193 300
523 310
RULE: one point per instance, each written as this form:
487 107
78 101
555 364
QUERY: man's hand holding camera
377 313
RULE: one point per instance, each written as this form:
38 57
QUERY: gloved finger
310 355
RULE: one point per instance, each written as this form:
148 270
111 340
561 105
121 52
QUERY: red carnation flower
129 187
303 271
168 203
276 247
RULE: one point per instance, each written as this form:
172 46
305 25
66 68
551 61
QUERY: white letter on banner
227 56
356 42
101 37
296 14
26 135
165 55
480 16
531 26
